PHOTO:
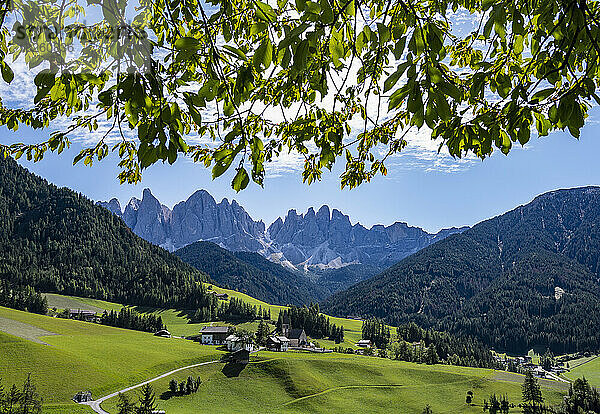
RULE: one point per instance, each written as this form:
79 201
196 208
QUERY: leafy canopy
236 83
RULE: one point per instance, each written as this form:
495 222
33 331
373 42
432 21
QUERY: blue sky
420 189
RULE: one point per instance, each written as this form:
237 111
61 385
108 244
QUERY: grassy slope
177 320
299 383
89 356
590 370
104 359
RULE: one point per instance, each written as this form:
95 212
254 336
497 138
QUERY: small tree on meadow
494 404
125 406
173 386
189 385
532 394
30 402
504 405
147 400
262 333
12 398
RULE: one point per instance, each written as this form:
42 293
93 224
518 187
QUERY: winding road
95 405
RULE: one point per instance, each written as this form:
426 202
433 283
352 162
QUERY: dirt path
343 387
95 405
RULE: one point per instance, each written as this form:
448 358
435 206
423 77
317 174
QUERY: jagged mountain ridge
321 240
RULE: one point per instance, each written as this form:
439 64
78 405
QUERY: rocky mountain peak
322 238
113 206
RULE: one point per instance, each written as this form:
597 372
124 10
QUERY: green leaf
187 43
223 159
235 52
301 55
326 12
336 49
312 7
241 180
435 75
384 33
393 78
41 94
542 95
257 28
263 55
7 73
264 11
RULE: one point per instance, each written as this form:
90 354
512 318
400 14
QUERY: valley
87 356
425 331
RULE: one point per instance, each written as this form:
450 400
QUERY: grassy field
177 320
67 356
81 356
300 383
74 302
589 369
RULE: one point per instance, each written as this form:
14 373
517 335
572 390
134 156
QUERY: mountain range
325 239
527 278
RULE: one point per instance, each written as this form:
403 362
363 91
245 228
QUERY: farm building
84 315
214 335
278 343
221 296
235 343
365 343
163 333
83 396
297 338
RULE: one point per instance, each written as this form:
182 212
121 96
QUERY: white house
364 343
214 335
278 343
235 343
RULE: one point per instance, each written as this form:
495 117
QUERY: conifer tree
531 392
147 400
125 406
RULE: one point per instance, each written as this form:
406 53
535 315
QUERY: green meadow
299 383
590 369
81 356
177 320
67 356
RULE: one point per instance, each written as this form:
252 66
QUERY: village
240 344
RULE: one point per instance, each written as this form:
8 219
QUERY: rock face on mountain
329 239
113 206
200 217
323 239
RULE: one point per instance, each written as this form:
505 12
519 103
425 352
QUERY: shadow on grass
182 313
233 369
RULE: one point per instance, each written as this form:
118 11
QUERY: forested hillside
252 274
526 278
56 240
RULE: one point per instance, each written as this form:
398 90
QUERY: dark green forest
528 278
251 273
56 240
315 324
234 310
